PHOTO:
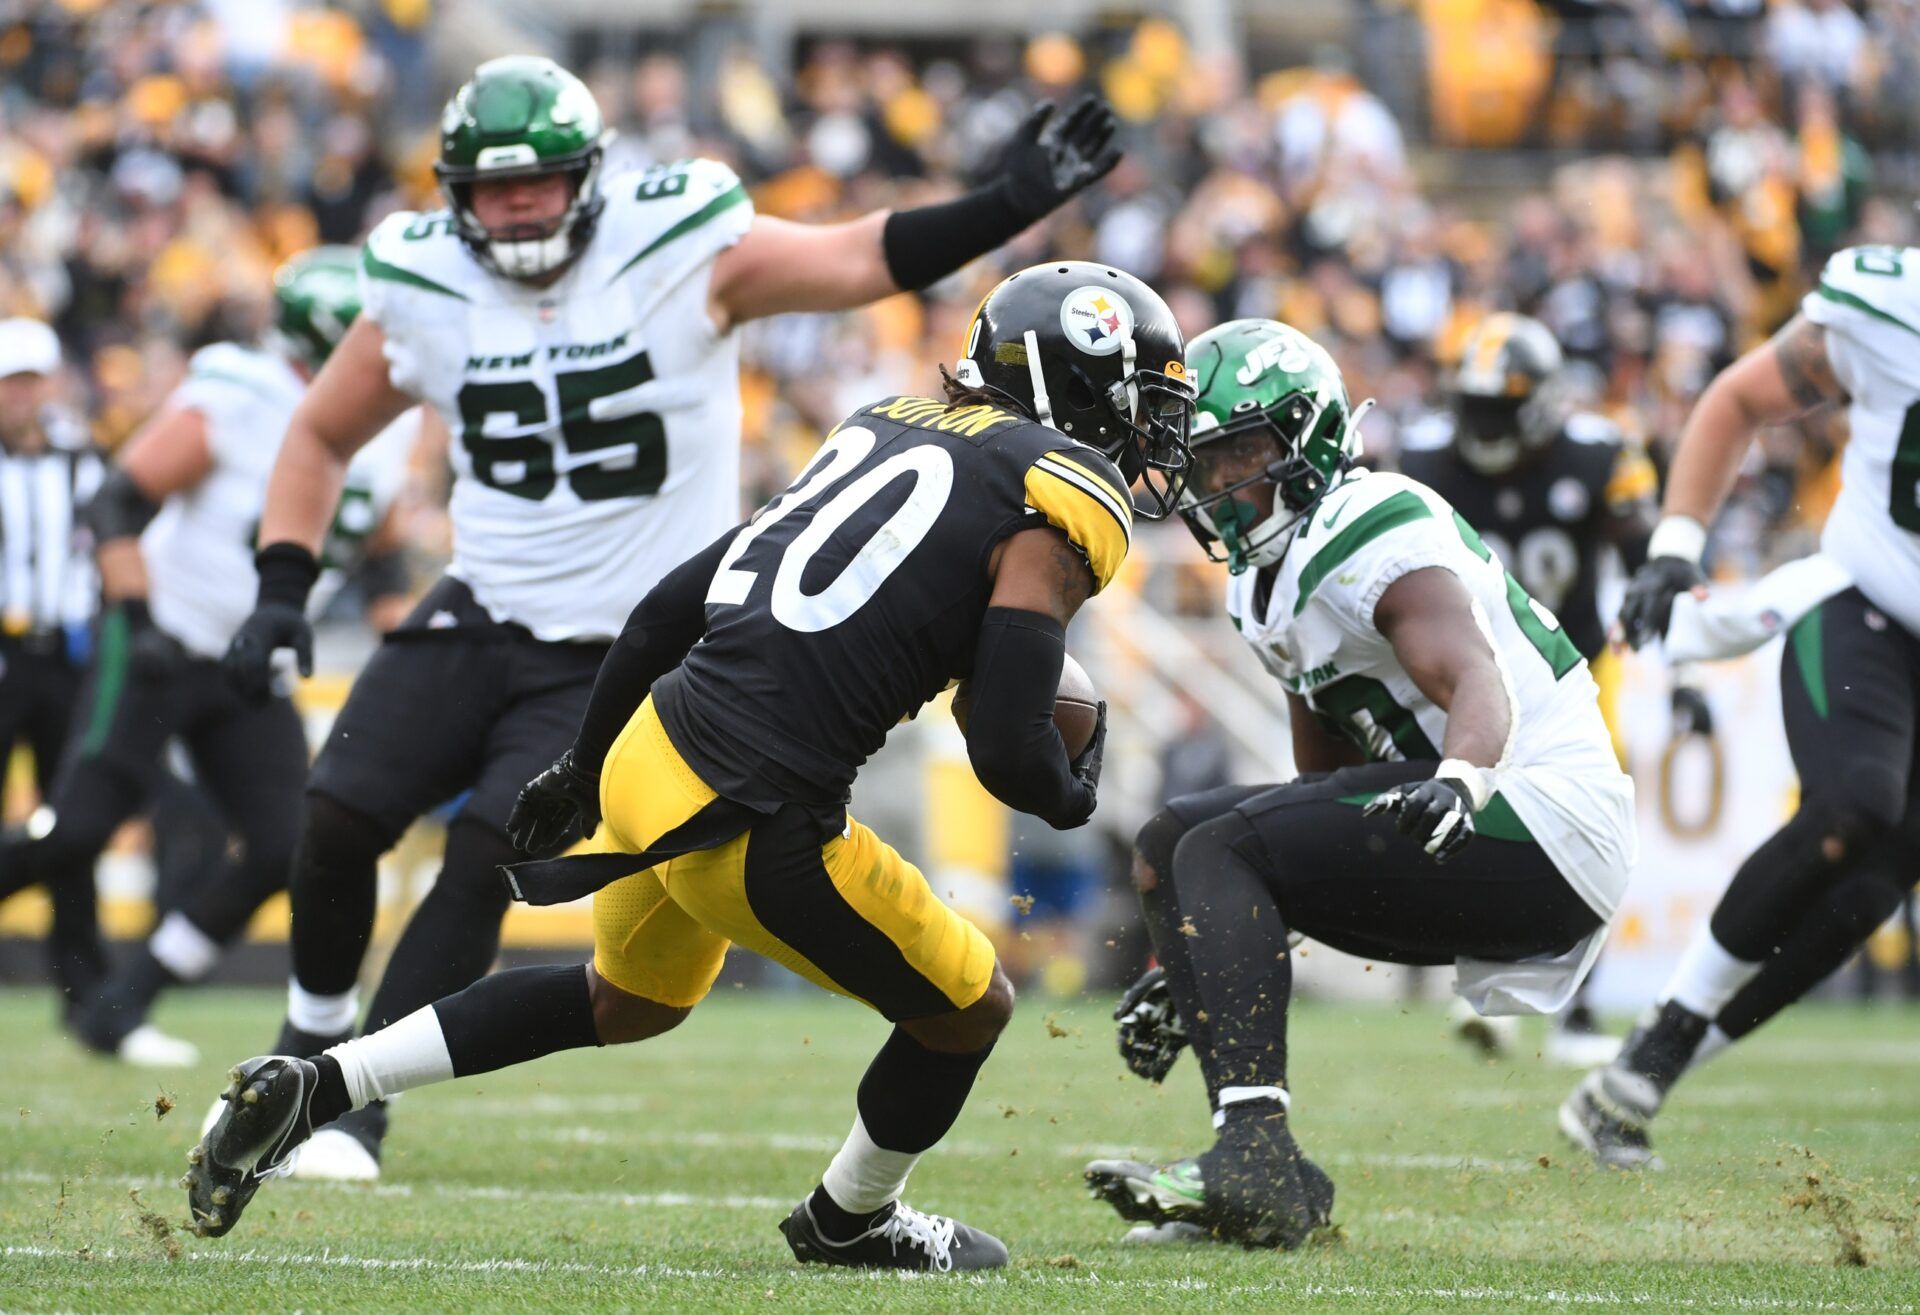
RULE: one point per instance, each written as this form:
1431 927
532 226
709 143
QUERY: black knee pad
336 836
1153 846
1842 824
471 871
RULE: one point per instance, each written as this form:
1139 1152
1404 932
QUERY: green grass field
651 1179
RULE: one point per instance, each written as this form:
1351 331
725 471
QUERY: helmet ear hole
1079 392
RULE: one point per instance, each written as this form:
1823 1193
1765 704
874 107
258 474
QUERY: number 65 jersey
596 421
1312 623
857 595
1869 301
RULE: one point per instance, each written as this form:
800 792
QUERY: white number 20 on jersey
878 558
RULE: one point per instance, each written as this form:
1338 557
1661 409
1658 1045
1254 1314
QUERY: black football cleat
255 1138
1151 1193
1261 1191
1607 1115
905 1238
1255 1188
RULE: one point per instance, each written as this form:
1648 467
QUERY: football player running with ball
1804 901
927 541
1459 800
579 335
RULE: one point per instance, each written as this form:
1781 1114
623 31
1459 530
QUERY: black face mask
1153 451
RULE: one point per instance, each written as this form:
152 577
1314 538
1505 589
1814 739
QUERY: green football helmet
316 296
523 116
1272 411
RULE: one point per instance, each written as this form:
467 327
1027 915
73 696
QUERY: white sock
863 1177
411 1053
323 1015
182 948
1707 976
1235 1095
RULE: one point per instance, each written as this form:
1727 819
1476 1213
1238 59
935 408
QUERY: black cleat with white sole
1607 1115
266 1119
904 1238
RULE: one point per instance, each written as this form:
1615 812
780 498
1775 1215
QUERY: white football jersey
199 548
1869 301
1558 780
596 422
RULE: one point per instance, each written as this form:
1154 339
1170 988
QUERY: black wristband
287 572
925 244
135 610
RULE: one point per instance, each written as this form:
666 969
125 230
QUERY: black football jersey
857 595
1549 519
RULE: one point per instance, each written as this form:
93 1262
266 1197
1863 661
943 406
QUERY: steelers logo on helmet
1096 320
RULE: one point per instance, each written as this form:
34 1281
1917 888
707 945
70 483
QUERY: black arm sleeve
1011 740
659 632
925 244
119 510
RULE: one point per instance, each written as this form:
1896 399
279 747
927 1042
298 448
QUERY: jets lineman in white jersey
577 335
1459 799
1849 683
193 480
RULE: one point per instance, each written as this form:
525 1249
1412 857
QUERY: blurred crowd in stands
1661 180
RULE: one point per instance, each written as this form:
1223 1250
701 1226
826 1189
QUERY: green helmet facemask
316 296
1272 411
523 116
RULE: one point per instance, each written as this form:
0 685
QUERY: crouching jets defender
927 541
1459 798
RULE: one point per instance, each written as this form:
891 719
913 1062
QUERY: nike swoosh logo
1333 516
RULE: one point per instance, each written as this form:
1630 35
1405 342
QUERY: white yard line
452 1191
514 1267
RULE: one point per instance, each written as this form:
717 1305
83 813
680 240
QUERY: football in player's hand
1075 708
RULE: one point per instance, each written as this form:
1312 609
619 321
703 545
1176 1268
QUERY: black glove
1057 153
152 653
1086 768
555 808
1692 714
1649 602
278 620
1438 813
1151 1033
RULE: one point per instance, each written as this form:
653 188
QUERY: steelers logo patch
1096 320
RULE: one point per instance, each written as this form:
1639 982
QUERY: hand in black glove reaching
278 620
1056 153
555 808
1151 1033
1648 605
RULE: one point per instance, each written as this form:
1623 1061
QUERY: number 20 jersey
1869 300
596 421
857 595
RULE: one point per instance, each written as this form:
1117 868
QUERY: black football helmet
1507 399
1096 354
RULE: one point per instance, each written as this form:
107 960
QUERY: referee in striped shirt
49 469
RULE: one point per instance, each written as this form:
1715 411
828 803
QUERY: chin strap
1042 403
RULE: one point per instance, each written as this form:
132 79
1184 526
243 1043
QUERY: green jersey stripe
1809 650
377 268
110 680
1390 514
1834 294
728 199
